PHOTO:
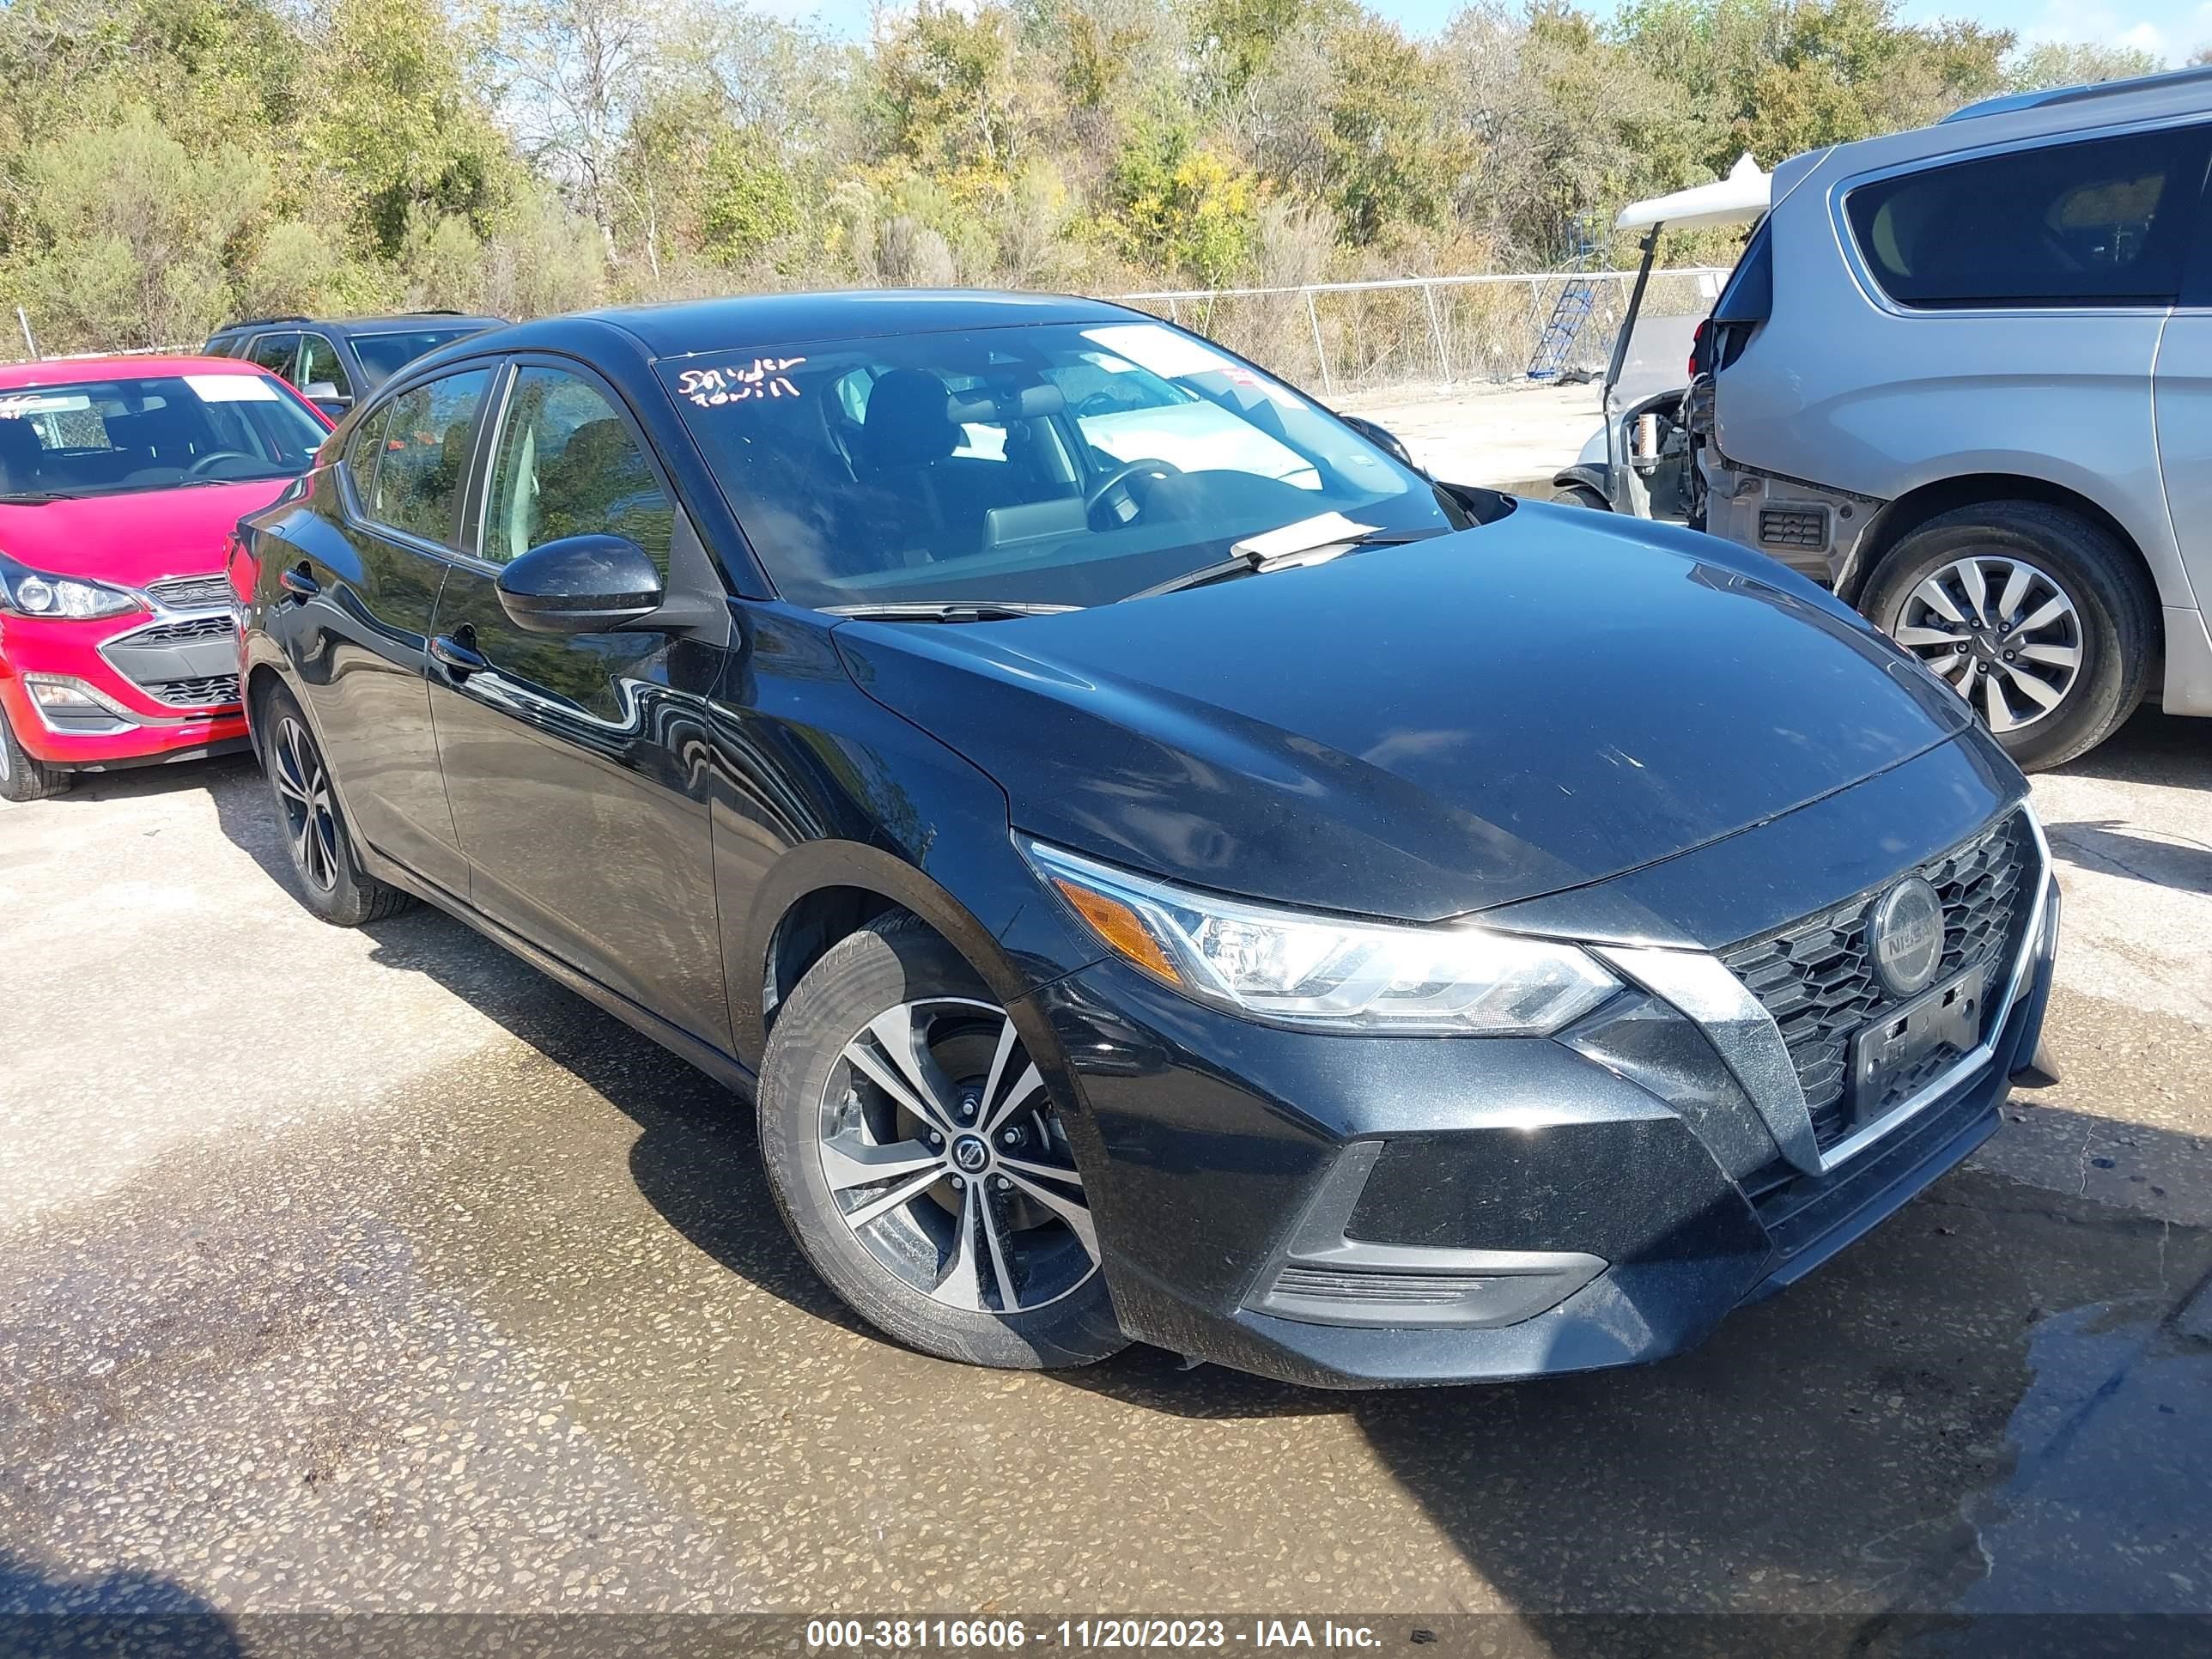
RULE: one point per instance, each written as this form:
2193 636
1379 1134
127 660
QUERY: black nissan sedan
1164 868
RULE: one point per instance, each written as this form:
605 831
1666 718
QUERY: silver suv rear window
2100 223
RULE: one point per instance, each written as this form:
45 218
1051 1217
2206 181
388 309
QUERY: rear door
373 567
2182 393
578 764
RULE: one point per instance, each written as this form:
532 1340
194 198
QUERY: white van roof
1736 200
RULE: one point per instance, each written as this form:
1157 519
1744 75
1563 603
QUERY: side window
321 374
2104 223
566 465
426 455
278 353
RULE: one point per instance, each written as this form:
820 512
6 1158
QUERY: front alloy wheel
948 1163
923 1162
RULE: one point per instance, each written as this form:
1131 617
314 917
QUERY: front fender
852 795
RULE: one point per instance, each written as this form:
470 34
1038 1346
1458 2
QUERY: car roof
75 371
698 327
386 322
2109 95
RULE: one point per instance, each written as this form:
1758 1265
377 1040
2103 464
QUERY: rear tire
23 776
325 870
894 1066
1580 495
1961 591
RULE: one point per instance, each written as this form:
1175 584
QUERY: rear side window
1749 296
417 487
2105 222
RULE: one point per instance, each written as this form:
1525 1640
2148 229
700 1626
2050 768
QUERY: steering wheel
1128 506
208 460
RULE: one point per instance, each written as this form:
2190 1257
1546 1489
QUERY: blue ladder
1576 301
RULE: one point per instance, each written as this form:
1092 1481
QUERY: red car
121 480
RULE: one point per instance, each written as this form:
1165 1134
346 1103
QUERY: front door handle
458 652
299 581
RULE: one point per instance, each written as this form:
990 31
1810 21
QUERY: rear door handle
458 653
296 581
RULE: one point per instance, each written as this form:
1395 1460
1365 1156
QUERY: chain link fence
1424 331
1406 331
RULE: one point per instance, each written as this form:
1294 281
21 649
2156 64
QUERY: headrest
908 423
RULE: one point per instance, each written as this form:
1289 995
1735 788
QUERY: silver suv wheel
2006 633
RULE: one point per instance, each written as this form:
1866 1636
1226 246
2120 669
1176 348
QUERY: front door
365 577
577 764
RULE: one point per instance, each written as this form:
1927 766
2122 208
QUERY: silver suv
1964 376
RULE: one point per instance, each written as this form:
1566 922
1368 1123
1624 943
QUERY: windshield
116 437
1058 464
385 355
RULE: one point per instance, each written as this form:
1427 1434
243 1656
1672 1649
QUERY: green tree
397 124
1187 206
127 231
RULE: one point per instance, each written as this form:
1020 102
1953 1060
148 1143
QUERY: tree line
167 165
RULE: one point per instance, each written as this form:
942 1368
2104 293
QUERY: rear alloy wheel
23 775
2033 613
922 1163
2005 634
314 823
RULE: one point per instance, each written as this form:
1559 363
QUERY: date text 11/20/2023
1082 1635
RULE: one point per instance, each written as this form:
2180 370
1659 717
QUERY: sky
2170 28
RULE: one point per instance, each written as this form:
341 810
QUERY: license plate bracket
1885 1051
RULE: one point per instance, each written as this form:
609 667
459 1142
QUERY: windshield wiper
1247 563
33 497
947 610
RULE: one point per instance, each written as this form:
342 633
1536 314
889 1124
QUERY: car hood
1423 730
136 538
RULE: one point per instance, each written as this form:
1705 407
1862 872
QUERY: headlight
33 593
1324 973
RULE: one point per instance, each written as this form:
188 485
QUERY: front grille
192 592
1787 526
177 633
210 692
1816 979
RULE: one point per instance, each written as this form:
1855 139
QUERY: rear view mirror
581 585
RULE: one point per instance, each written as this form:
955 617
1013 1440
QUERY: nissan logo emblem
1904 937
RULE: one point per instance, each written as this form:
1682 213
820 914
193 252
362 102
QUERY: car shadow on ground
2151 747
122 1612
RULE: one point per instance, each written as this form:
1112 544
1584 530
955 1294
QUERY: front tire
2039 618
920 1161
325 870
23 775
1580 495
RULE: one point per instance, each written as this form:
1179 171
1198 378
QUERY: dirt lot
372 1271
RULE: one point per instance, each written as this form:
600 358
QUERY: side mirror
324 391
1379 435
581 585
